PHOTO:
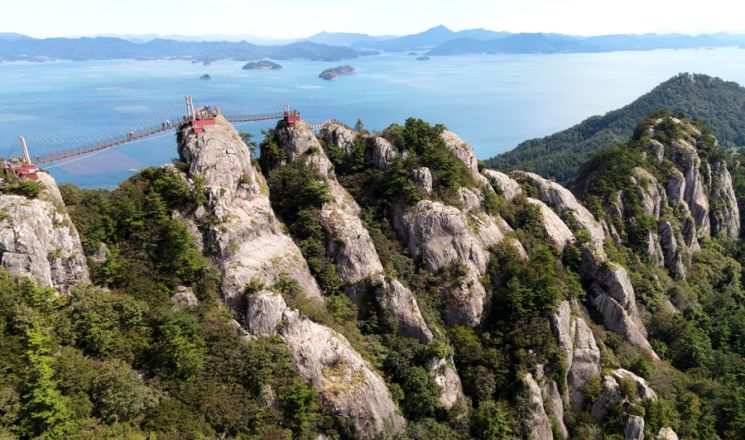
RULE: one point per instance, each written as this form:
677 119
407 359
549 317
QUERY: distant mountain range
337 46
427 39
15 48
717 103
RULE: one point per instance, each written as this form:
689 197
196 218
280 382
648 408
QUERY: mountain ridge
716 102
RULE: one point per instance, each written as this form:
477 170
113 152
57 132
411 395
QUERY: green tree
300 405
491 422
44 409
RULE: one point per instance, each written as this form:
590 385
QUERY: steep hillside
717 103
350 284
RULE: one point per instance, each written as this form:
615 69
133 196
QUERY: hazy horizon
293 19
267 39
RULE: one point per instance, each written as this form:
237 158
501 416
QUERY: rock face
249 243
508 186
557 232
462 151
440 235
670 250
380 152
339 135
611 292
38 240
346 383
611 394
446 377
582 353
536 423
554 407
423 179
725 219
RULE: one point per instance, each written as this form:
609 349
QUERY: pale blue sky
296 18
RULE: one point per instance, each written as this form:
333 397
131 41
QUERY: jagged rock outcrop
339 135
634 428
557 232
582 353
554 407
686 158
725 217
397 300
611 394
565 203
38 239
536 423
612 292
462 151
249 242
355 257
440 235
380 152
446 377
423 179
670 250
346 383
508 186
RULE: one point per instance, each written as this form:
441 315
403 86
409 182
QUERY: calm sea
492 101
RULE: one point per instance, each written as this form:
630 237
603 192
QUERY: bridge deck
147 132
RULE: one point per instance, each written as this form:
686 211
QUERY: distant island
206 76
336 72
423 58
261 65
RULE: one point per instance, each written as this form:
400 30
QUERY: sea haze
492 101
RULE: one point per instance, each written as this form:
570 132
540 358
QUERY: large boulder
347 384
38 239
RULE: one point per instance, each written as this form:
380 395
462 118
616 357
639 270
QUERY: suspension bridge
195 118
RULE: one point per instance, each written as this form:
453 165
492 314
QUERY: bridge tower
25 169
190 112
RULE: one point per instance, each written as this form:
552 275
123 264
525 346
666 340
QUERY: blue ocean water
492 101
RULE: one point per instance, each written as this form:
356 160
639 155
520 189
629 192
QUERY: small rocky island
262 65
336 72
205 77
